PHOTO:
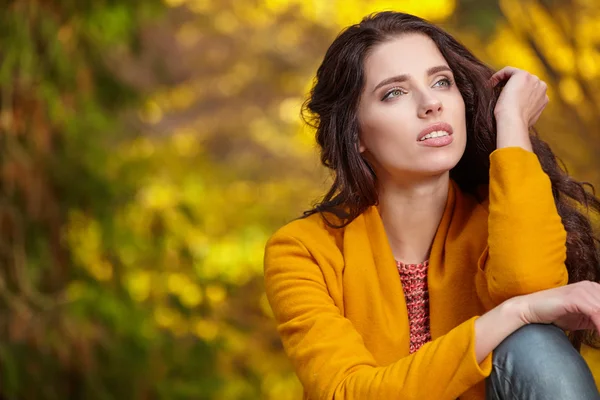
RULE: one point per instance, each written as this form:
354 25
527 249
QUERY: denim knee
538 362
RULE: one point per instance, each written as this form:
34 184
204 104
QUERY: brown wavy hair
332 110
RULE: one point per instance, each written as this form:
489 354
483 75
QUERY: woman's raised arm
526 238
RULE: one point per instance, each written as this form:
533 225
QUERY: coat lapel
373 293
436 274
459 241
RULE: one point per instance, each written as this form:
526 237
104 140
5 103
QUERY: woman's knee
533 342
540 359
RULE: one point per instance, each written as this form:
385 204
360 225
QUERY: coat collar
368 227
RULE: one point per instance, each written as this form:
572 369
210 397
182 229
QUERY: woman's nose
430 106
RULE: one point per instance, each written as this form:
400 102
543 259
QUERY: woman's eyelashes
393 92
398 91
447 81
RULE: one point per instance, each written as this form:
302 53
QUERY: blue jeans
538 362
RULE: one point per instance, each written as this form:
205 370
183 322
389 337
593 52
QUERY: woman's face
409 91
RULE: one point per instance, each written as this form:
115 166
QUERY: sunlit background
149 148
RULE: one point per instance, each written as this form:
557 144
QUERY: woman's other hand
571 307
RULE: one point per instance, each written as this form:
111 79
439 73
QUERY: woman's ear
361 146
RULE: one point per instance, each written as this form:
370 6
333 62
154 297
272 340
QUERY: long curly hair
332 110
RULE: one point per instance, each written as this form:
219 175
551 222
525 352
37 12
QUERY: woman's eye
393 93
444 82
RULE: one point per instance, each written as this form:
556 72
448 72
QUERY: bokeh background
149 148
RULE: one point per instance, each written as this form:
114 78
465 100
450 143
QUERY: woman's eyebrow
404 77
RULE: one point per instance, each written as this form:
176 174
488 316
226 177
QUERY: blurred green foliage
147 151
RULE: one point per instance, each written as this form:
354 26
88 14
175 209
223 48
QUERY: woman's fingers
587 302
503 75
575 322
506 72
592 315
594 319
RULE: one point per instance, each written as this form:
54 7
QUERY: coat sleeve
526 249
328 353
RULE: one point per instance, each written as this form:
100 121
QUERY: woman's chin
425 167
439 166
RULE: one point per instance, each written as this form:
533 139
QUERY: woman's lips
438 126
440 141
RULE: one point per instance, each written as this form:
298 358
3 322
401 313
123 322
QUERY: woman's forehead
411 54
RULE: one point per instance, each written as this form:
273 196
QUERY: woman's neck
411 215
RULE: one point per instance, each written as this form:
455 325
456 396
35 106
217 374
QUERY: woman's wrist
512 131
496 325
515 309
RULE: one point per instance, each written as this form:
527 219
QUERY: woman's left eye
445 81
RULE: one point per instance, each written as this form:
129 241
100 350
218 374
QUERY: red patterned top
416 292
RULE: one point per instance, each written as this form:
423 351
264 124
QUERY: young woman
451 253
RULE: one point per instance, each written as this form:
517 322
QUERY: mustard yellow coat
340 309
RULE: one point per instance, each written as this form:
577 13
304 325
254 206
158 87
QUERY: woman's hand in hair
521 102
571 307
523 96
